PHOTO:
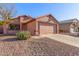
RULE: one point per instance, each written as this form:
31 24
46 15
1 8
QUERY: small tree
7 11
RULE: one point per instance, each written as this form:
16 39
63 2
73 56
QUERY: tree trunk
4 28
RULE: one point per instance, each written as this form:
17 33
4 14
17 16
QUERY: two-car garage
47 28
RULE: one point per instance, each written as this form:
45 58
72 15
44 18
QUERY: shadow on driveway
9 39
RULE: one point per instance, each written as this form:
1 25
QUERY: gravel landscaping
35 47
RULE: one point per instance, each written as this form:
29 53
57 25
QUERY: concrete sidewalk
74 41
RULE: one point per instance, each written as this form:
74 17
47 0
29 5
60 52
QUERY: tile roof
43 16
68 21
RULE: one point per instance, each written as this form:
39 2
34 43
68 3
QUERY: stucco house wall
69 26
31 27
65 27
8 31
48 20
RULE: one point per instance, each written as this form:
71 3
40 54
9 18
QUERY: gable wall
65 27
31 27
48 20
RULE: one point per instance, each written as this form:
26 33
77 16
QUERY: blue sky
61 11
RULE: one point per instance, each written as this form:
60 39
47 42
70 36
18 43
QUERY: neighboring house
42 25
69 26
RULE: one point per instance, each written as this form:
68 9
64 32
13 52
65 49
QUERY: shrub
23 35
12 27
61 31
1 22
78 29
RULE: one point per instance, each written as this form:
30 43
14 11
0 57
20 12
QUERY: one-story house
69 26
46 24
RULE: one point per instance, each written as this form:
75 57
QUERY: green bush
12 27
1 22
78 29
23 35
61 30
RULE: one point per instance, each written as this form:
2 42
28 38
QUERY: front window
14 27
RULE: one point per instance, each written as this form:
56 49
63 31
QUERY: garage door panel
46 28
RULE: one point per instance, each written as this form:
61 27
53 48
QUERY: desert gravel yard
44 46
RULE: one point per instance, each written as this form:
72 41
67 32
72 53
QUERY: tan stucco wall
49 20
24 26
43 19
6 29
65 27
5 26
32 27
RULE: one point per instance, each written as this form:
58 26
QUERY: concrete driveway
74 41
65 39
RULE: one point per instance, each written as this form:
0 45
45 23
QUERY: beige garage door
47 28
